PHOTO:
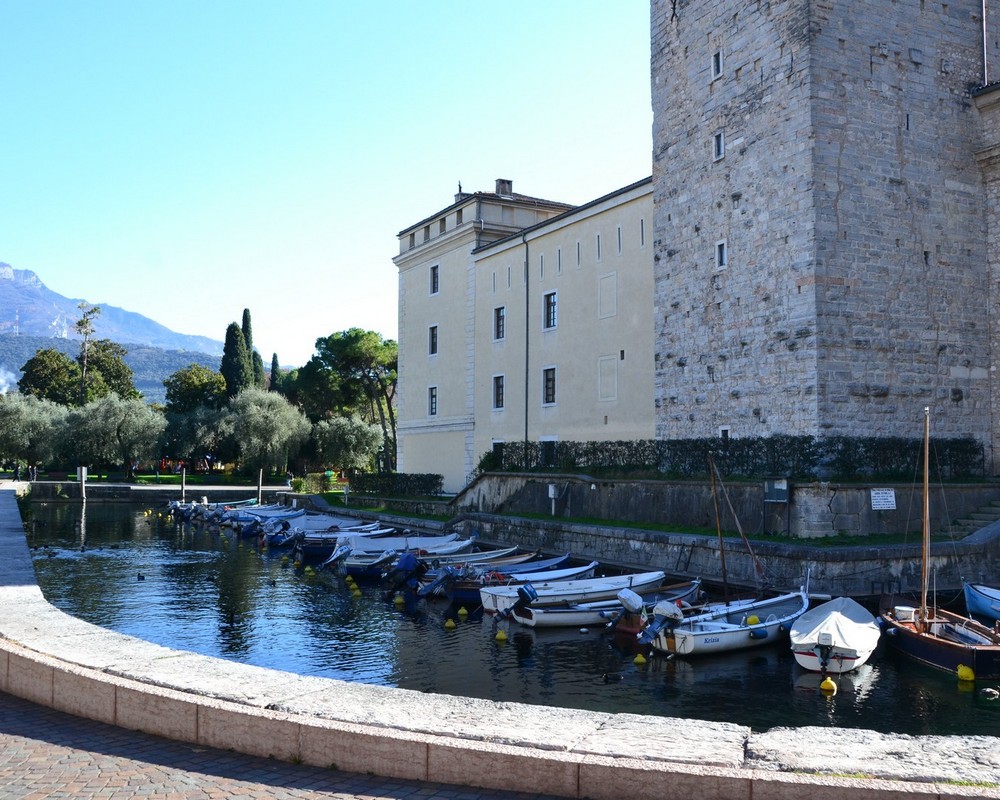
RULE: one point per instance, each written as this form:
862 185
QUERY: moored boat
733 626
602 612
935 636
501 598
836 636
982 600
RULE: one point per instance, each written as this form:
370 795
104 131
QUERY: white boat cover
849 626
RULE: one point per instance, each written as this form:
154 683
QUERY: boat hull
836 636
942 647
983 601
724 632
502 598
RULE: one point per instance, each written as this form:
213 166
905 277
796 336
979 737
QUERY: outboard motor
666 614
526 595
406 573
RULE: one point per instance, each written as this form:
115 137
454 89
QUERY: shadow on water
217 594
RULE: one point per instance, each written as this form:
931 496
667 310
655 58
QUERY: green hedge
397 484
839 458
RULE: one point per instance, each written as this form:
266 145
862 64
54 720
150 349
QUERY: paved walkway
48 754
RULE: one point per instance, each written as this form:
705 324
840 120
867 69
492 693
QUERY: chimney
505 187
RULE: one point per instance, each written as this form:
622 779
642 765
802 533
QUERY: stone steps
974 521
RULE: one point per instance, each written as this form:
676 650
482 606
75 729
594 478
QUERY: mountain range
34 317
29 308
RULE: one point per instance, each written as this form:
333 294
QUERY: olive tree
111 430
29 428
267 429
347 442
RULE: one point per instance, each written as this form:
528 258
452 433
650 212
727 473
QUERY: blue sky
187 160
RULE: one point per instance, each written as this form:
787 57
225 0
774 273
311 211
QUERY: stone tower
821 219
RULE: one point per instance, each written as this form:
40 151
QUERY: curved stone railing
56 660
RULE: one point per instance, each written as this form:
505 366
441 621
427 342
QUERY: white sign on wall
883 499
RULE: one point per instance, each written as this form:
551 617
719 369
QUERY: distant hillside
149 364
29 308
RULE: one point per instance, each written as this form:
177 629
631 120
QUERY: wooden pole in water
260 486
183 483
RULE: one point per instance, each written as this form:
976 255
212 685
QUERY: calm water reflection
136 572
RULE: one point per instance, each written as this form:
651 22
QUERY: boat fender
758 633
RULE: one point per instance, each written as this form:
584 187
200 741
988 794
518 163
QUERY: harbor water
134 570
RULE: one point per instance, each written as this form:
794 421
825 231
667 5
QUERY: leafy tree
85 327
267 429
107 359
347 442
51 375
112 430
236 367
320 392
200 432
366 365
192 387
29 428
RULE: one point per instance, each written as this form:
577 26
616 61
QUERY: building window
642 233
598 247
441 226
427 233
435 279
498 392
579 255
719 146
499 322
413 240
432 340
619 240
559 259
549 386
549 311
721 255
716 64
432 401
458 217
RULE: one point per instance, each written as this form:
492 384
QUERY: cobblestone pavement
48 754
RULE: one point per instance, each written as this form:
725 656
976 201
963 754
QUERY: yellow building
522 319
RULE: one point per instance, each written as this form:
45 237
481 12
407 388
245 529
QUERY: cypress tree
236 366
275 384
256 362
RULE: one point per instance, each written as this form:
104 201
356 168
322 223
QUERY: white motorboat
836 636
502 598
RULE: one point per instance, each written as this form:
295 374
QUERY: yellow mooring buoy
449 623
828 686
965 673
639 659
462 612
501 636
398 600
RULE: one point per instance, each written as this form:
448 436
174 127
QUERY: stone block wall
852 209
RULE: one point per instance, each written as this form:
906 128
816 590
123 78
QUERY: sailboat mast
718 529
926 552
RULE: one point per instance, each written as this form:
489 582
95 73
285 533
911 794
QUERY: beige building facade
522 319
